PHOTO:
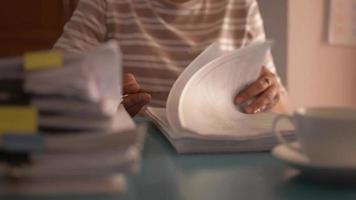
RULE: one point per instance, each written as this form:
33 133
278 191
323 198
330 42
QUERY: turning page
173 101
202 99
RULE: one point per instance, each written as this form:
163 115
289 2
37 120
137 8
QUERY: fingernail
257 111
238 100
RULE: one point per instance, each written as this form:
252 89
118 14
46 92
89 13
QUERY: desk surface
167 176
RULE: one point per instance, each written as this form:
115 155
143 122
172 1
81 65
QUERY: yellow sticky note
43 60
18 119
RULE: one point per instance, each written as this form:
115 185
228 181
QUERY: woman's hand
134 99
264 93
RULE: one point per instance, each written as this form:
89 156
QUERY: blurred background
315 72
32 24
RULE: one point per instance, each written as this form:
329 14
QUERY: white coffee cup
327 135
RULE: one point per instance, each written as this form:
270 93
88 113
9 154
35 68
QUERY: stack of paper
200 115
62 130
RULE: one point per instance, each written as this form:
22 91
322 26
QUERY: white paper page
102 108
92 143
173 101
158 115
71 81
94 75
121 121
206 105
77 165
105 67
203 140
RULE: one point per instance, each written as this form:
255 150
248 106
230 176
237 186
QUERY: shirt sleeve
86 28
256 32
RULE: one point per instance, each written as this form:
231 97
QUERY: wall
318 73
274 13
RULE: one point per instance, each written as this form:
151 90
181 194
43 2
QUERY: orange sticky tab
18 119
43 60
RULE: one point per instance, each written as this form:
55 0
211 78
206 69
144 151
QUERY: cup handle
279 134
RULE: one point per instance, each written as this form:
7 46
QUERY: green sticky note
43 60
18 119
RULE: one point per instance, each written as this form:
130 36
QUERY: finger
255 89
133 103
261 103
270 105
274 102
135 109
130 84
134 99
264 102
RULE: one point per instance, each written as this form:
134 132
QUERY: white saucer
301 162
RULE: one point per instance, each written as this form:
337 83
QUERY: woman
159 38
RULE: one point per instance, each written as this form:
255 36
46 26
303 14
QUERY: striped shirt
160 38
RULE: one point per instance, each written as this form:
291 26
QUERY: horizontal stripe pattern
160 38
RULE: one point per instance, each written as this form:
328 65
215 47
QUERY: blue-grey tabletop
165 175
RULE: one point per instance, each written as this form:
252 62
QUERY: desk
167 176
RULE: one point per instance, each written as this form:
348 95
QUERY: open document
200 115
